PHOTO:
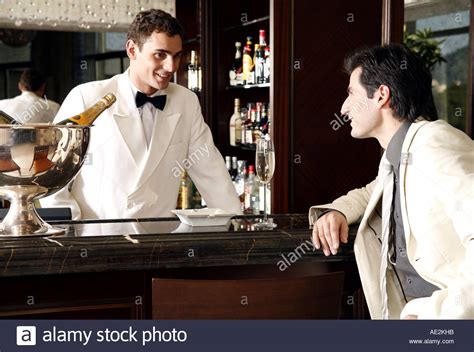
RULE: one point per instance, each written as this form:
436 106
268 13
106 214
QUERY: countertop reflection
171 225
162 243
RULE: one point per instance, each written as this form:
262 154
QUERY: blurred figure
31 106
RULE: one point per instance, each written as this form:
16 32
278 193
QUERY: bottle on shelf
247 63
266 69
234 170
246 125
262 57
264 120
250 191
257 125
193 72
88 117
239 182
235 73
232 123
228 165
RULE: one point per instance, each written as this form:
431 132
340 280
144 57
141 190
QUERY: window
449 22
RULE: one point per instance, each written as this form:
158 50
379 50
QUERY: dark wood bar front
160 268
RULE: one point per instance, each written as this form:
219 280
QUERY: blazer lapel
128 121
163 130
404 162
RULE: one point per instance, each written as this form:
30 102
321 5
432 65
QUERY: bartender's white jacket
437 197
121 177
30 108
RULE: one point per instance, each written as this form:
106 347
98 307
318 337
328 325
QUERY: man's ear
132 49
383 94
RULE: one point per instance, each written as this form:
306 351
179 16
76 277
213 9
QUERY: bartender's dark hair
403 72
32 79
153 20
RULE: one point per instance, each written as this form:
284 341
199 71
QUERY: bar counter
107 264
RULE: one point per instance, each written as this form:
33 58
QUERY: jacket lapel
163 130
404 162
128 121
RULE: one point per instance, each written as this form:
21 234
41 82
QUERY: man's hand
411 317
328 230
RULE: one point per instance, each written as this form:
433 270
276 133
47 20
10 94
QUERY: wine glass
265 167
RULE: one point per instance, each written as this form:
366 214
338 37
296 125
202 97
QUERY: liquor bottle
257 125
234 171
247 120
88 117
247 63
235 74
232 122
249 191
238 128
199 75
6 119
192 72
261 56
264 120
185 192
228 165
267 64
260 67
239 182
249 127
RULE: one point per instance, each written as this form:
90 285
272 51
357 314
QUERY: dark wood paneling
280 94
74 296
314 297
331 161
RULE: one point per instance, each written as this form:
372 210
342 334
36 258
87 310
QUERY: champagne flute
265 167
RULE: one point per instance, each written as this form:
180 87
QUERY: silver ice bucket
36 161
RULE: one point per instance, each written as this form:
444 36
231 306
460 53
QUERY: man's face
363 112
152 67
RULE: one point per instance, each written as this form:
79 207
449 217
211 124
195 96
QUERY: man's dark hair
153 20
32 79
403 72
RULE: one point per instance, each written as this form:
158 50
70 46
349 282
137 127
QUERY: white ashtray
203 217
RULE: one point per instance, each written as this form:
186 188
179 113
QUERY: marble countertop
149 244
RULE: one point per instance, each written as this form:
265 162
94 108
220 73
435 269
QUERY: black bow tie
158 102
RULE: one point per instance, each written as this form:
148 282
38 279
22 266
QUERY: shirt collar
394 149
135 89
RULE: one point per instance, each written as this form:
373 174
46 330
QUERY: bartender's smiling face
152 66
364 112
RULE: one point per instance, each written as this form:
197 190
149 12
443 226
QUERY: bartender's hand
329 230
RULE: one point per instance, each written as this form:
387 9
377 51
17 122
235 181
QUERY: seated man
31 106
415 242
140 146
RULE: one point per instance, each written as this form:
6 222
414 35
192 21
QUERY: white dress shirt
147 113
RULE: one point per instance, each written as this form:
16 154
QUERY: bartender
142 144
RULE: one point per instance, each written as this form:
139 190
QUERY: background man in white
430 218
31 106
137 144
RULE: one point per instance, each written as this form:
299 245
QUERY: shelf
249 86
196 39
246 147
248 23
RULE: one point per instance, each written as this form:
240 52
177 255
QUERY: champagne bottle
235 73
6 119
232 122
88 117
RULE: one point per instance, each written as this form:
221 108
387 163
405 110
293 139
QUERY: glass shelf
248 23
250 86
